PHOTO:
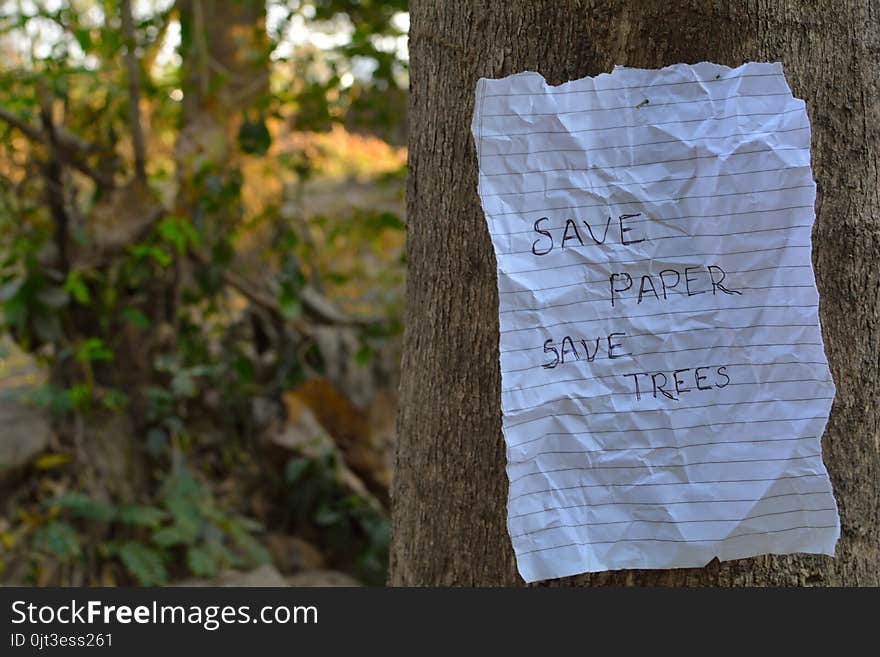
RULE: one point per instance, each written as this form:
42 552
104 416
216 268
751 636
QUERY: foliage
351 523
186 526
174 294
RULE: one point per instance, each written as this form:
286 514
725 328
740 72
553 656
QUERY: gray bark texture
450 490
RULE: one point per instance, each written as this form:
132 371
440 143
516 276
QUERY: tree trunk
225 53
450 484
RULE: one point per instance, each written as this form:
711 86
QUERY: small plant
185 526
353 527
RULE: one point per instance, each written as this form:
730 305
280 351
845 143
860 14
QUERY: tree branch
323 310
134 92
256 297
28 130
68 146
314 304
52 172
201 42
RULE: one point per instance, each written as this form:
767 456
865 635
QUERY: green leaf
136 317
93 349
253 136
144 251
290 308
143 563
58 539
188 519
179 233
51 397
183 496
144 516
295 469
76 286
253 551
379 221
83 38
288 301
201 562
170 536
364 355
83 506
79 396
114 400
337 278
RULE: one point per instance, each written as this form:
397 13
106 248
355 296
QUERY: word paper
664 383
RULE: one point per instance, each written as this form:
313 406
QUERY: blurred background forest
201 277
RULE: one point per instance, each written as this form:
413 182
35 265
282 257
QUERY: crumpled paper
664 383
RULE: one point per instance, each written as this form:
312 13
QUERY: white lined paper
710 169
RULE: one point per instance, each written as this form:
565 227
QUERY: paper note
664 382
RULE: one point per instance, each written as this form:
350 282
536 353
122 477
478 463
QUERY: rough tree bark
450 485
